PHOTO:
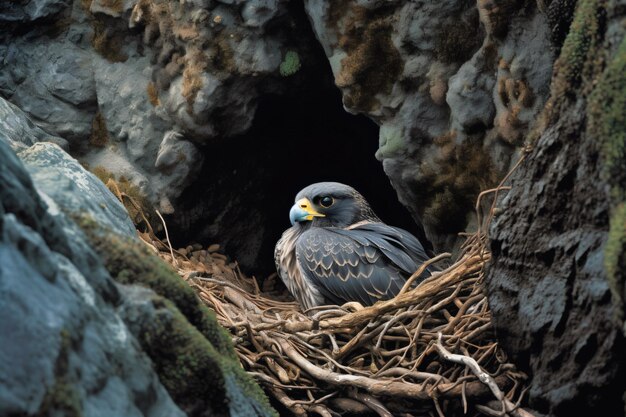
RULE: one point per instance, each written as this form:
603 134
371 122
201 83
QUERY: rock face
454 86
69 352
20 132
137 86
80 332
556 283
149 89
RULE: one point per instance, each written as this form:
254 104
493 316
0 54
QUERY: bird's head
330 204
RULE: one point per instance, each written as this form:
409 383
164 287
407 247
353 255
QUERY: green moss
129 262
62 397
579 59
607 123
607 119
193 355
192 370
581 41
290 64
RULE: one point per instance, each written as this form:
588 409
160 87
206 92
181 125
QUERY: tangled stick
507 406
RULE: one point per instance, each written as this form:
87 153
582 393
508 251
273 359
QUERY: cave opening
242 196
247 185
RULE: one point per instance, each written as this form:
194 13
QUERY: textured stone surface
20 132
68 185
149 88
152 89
152 318
453 86
137 86
71 351
556 283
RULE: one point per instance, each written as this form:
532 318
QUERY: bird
337 250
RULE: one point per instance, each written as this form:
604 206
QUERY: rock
453 86
31 10
20 132
556 282
73 189
115 78
78 322
156 323
70 352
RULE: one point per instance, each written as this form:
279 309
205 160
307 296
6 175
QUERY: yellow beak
303 211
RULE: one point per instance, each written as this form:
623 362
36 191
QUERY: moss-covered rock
193 355
131 263
202 380
372 63
607 123
556 279
65 350
581 41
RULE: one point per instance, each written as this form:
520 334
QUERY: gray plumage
343 252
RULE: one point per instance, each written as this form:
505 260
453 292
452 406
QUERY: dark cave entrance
243 194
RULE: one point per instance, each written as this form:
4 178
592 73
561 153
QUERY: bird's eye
326 201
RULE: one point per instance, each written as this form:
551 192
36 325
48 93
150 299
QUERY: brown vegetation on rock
99 133
373 63
107 41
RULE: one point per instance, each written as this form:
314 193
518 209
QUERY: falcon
338 250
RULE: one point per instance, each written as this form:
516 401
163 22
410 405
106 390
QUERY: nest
430 350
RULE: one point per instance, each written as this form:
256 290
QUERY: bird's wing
397 244
366 264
